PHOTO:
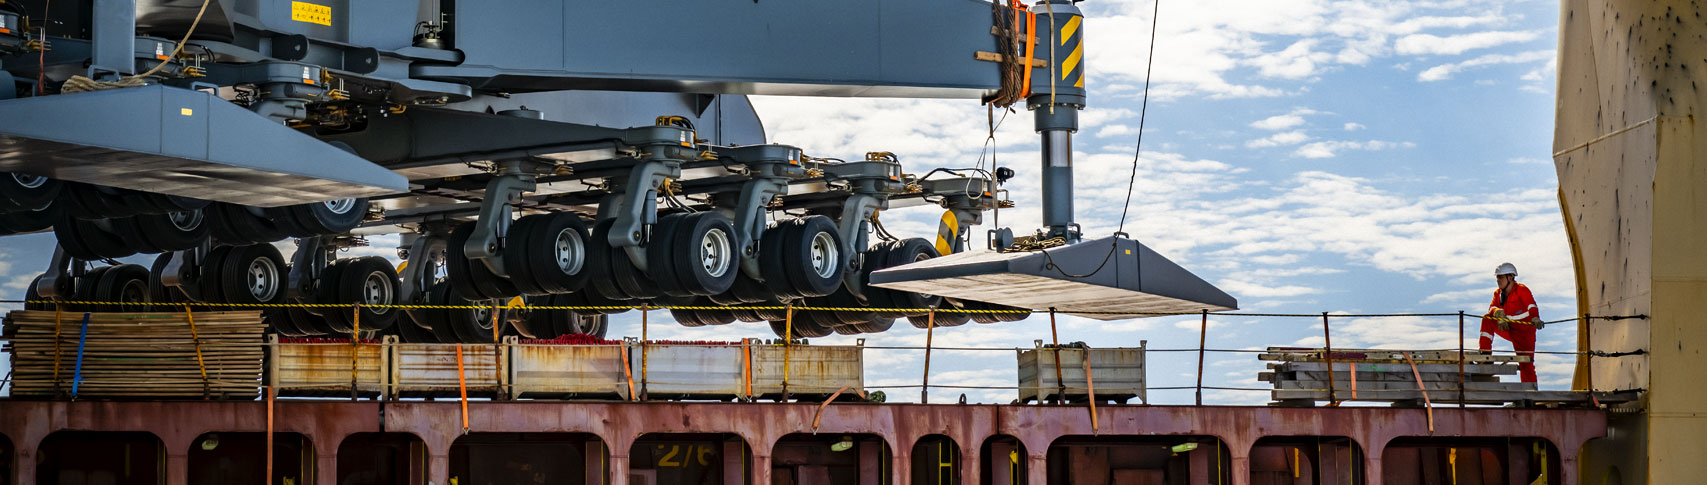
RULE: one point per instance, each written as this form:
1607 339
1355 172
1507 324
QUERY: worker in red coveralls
1514 317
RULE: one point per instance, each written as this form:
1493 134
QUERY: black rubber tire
410 333
716 317
219 219
746 315
104 243
748 290
22 192
771 243
472 325
322 218
558 268
174 231
661 257
370 281
536 322
514 255
599 268
981 312
471 279
435 319
943 319
686 317
768 314
110 200
803 327
695 236
326 291
124 286
31 221
907 251
173 203
635 283
211 267
1011 313
798 257
875 323
285 221
255 227
253 275
127 230
278 318
66 234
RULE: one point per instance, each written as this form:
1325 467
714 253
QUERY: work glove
1504 325
1497 313
1539 325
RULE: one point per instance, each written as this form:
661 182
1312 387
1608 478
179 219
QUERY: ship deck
1235 444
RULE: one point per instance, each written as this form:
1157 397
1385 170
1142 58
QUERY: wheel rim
714 252
135 291
29 181
570 251
185 221
263 278
482 317
376 291
340 206
823 254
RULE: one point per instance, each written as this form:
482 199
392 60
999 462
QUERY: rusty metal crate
567 371
430 370
813 370
325 369
689 371
1117 374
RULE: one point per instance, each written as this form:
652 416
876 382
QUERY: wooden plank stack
1301 377
137 355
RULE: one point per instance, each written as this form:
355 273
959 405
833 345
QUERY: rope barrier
801 308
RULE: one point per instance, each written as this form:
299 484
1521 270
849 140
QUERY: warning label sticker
311 13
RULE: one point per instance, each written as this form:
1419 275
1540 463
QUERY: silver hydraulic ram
1107 278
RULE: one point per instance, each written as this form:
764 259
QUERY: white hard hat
1505 269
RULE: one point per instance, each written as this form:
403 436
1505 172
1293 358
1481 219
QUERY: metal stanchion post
1328 355
1060 383
925 388
1202 341
1460 359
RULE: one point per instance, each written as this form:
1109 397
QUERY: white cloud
1284 121
1418 44
1354 127
1279 139
1445 71
1328 149
1252 290
1115 130
1529 160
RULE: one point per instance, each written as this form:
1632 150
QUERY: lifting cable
1138 149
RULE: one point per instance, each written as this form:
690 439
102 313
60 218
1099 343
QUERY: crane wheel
25 192
251 275
370 281
409 332
31 221
809 259
592 325
309 323
472 325
330 217
548 252
85 239
437 319
125 286
703 255
688 318
279 320
660 256
470 279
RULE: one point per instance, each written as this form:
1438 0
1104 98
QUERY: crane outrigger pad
180 142
1135 281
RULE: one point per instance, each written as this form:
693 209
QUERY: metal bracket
313 255
854 227
58 281
635 207
418 274
770 168
183 270
504 190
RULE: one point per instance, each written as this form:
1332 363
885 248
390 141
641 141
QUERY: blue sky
1305 156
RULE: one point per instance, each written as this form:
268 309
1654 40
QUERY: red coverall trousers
1522 337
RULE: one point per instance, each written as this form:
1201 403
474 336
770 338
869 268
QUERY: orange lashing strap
191 318
1426 404
462 388
1030 50
1091 391
627 374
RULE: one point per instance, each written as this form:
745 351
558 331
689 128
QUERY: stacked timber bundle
1300 376
136 355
